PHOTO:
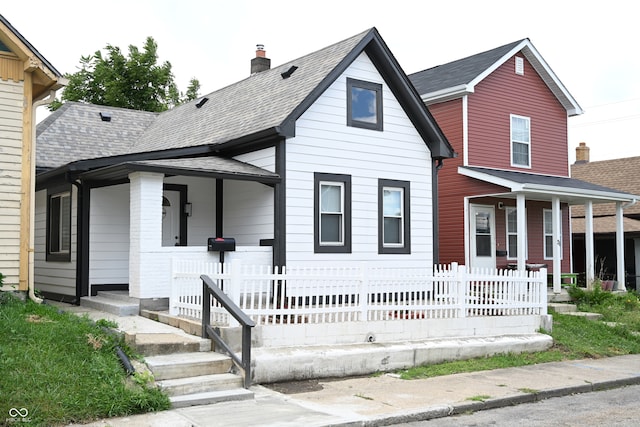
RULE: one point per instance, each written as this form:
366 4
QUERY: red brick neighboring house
622 175
504 201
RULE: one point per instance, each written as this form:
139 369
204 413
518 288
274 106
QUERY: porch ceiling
545 187
212 167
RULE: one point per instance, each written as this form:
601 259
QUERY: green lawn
63 368
618 333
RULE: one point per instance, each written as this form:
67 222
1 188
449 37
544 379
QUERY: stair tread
226 377
185 358
110 301
210 397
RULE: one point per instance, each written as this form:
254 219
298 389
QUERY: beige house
27 80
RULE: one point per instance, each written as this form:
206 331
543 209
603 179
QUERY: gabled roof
76 131
261 107
620 174
268 104
460 77
544 187
47 75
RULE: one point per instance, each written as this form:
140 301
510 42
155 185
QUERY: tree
136 82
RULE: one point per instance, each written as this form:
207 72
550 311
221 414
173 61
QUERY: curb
467 407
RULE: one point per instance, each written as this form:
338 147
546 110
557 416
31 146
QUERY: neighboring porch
536 227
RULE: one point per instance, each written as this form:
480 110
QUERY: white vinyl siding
53 276
10 179
248 212
109 235
325 144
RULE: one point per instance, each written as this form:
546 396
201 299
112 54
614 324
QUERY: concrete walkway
386 399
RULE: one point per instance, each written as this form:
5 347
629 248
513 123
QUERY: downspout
32 196
434 214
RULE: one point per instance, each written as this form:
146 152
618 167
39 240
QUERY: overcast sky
591 46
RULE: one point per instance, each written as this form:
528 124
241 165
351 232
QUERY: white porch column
620 271
556 214
145 233
588 243
522 231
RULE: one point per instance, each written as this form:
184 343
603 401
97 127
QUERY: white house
329 159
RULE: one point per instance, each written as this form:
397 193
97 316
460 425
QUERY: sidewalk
386 399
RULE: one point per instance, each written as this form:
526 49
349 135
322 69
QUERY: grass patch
63 368
479 398
574 338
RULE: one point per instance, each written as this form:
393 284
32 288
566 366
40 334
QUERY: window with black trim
364 104
332 213
59 226
394 222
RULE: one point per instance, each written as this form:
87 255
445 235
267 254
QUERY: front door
483 236
170 218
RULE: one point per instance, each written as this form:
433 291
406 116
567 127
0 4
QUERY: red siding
499 95
503 93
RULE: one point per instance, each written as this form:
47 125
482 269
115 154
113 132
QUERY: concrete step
182 365
208 398
113 306
152 344
200 384
586 315
563 296
118 295
559 307
190 326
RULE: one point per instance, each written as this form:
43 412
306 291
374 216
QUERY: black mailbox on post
221 244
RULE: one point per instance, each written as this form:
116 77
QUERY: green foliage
136 81
597 296
1 279
64 369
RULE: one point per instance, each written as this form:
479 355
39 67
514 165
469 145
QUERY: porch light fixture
187 209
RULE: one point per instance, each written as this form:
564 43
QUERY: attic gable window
364 104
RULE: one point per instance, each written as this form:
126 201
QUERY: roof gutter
32 196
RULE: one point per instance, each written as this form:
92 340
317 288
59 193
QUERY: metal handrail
209 288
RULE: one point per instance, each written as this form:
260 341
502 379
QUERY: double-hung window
59 226
364 104
332 213
548 235
520 141
393 217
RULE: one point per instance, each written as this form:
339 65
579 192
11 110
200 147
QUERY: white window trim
402 219
519 66
340 185
507 233
511 141
545 234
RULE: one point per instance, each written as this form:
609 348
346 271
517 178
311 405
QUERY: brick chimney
260 62
582 153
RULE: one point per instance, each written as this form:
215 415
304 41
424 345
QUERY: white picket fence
358 293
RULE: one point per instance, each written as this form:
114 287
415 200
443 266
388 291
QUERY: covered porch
539 203
137 217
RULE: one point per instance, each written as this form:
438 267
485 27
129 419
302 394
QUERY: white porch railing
357 294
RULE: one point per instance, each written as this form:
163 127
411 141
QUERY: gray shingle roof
76 131
460 72
558 183
259 102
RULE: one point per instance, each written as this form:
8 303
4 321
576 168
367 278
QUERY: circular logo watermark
18 415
